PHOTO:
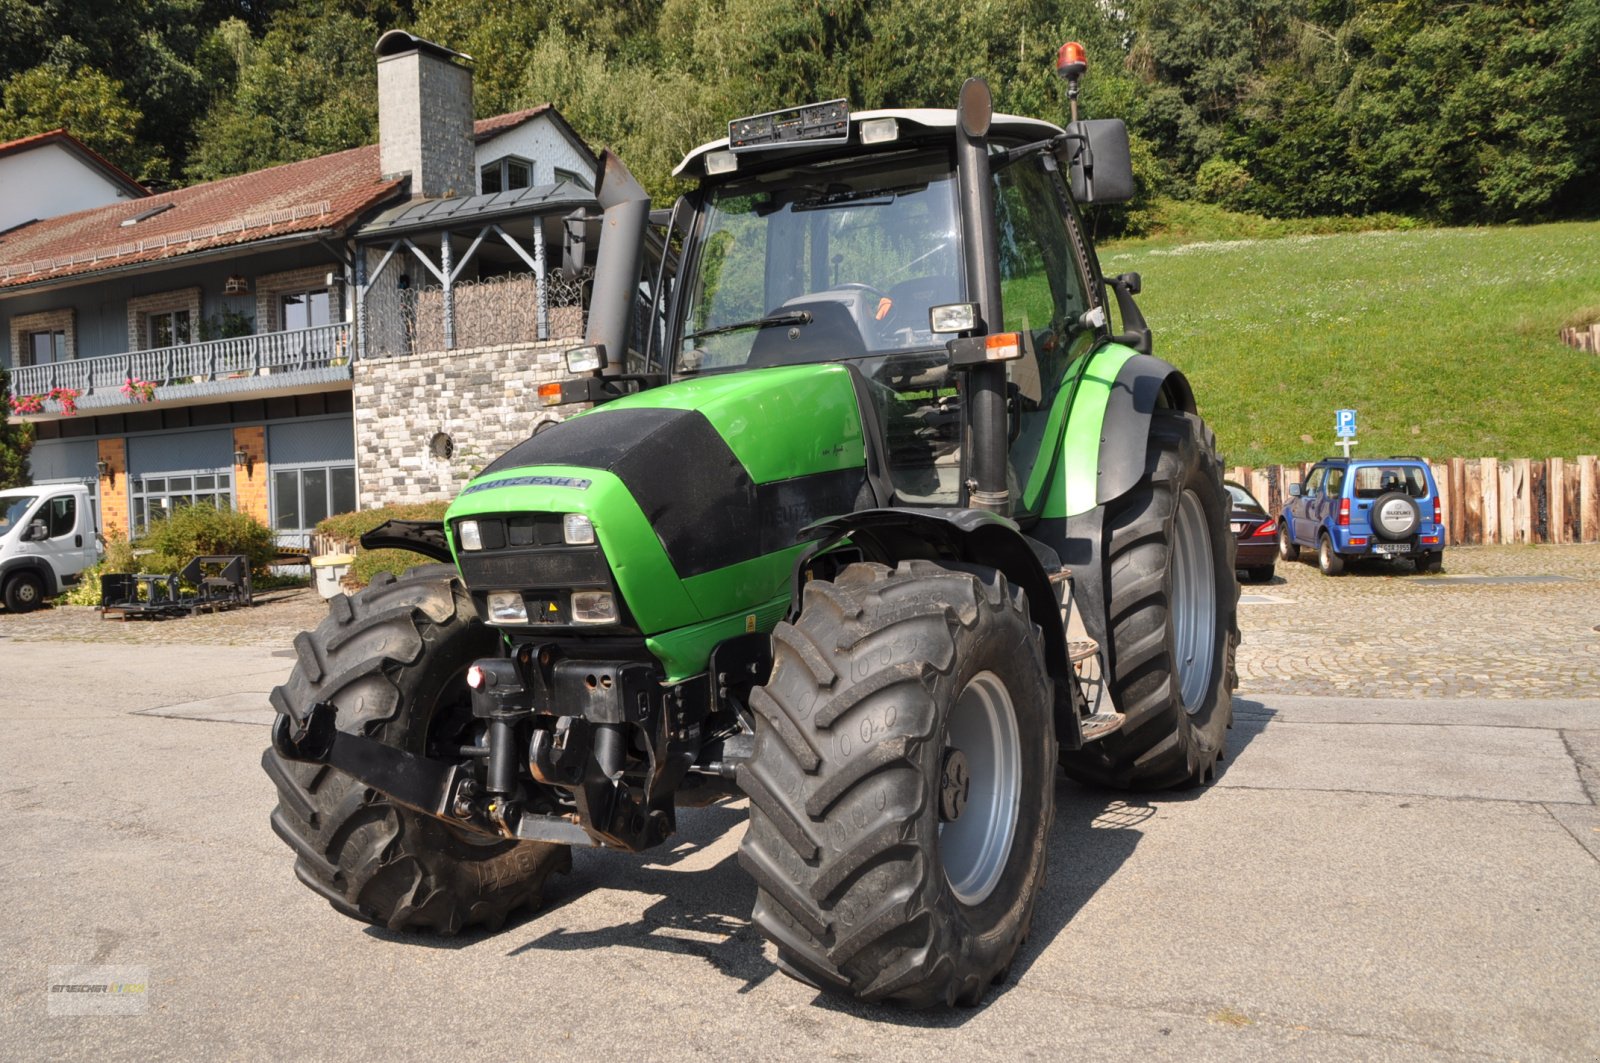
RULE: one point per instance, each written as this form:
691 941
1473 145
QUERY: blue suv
1351 508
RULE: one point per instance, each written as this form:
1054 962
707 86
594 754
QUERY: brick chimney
425 116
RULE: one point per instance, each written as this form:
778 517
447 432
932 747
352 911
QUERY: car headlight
577 530
471 537
594 607
507 607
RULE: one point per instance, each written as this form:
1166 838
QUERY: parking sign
1344 424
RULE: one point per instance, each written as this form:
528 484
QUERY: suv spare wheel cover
1395 516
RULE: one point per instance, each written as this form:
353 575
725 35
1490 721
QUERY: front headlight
507 607
471 537
577 530
594 607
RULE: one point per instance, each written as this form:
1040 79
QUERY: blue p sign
1344 424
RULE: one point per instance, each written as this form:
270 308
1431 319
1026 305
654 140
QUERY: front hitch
429 786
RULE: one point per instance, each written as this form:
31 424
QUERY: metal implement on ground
875 520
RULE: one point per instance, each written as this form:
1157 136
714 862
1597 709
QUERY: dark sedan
1256 533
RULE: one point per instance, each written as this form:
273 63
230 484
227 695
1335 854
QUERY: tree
16 440
87 102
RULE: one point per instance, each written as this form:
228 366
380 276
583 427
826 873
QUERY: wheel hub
956 786
980 788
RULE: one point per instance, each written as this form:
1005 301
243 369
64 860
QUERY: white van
47 537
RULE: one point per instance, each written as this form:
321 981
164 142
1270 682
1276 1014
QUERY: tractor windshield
823 263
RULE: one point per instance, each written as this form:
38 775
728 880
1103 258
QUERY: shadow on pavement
705 914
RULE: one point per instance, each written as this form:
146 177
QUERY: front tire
1172 609
24 592
900 788
393 658
1260 574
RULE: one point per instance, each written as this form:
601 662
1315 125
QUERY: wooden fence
1484 500
1585 339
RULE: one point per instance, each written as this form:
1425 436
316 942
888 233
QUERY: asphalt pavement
1369 878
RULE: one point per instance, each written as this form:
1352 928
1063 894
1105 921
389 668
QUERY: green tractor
874 521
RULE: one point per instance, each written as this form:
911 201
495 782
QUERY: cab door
68 544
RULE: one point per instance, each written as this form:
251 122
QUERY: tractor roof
927 118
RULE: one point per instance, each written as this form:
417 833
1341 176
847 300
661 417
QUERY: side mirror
1294 490
1098 160
37 532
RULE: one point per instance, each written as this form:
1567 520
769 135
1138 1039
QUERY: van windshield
12 510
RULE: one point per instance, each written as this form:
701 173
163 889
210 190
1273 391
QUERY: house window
506 174
575 177
154 497
303 496
42 348
305 309
168 328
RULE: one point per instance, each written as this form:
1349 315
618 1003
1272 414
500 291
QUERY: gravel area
1379 631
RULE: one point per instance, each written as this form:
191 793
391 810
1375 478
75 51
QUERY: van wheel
24 593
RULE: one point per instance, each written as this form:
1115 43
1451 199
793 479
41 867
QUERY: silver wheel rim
26 592
1194 601
973 847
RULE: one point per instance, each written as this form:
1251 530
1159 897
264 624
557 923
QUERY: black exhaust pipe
626 207
986 384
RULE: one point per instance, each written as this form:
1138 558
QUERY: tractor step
1100 724
1081 649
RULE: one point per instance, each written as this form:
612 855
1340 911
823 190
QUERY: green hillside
1444 340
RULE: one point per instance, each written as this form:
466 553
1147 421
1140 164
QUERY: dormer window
505 174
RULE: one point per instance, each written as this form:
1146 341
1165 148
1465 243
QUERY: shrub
369 563
1223 182
204 529
348 528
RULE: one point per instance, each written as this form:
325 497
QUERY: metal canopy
474 211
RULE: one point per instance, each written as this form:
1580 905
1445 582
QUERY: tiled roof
72 143
325 193
484 128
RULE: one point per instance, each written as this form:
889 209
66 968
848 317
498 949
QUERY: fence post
1556 488
1472 523
1588 498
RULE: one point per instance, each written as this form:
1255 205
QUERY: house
55 173
204 345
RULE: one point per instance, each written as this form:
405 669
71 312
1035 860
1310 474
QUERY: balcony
198 370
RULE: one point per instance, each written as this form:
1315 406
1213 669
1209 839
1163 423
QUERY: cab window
60 515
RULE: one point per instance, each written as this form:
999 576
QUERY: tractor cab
821 235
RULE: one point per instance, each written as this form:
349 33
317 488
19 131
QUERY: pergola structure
502 233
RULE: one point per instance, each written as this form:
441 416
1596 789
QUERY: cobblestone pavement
1379 631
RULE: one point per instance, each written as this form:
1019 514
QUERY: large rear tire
1172 615
393 658
900 788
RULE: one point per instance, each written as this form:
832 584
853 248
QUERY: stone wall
427 423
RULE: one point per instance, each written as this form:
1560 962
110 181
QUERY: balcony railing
239 356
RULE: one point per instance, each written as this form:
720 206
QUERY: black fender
1144 385
974 536
425 537
31 564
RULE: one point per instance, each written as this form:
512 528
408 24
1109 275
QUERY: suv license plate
1391 548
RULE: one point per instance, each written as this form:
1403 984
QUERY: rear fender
1108 426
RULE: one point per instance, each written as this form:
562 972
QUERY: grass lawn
1444 340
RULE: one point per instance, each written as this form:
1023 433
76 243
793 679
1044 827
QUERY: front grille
537 568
